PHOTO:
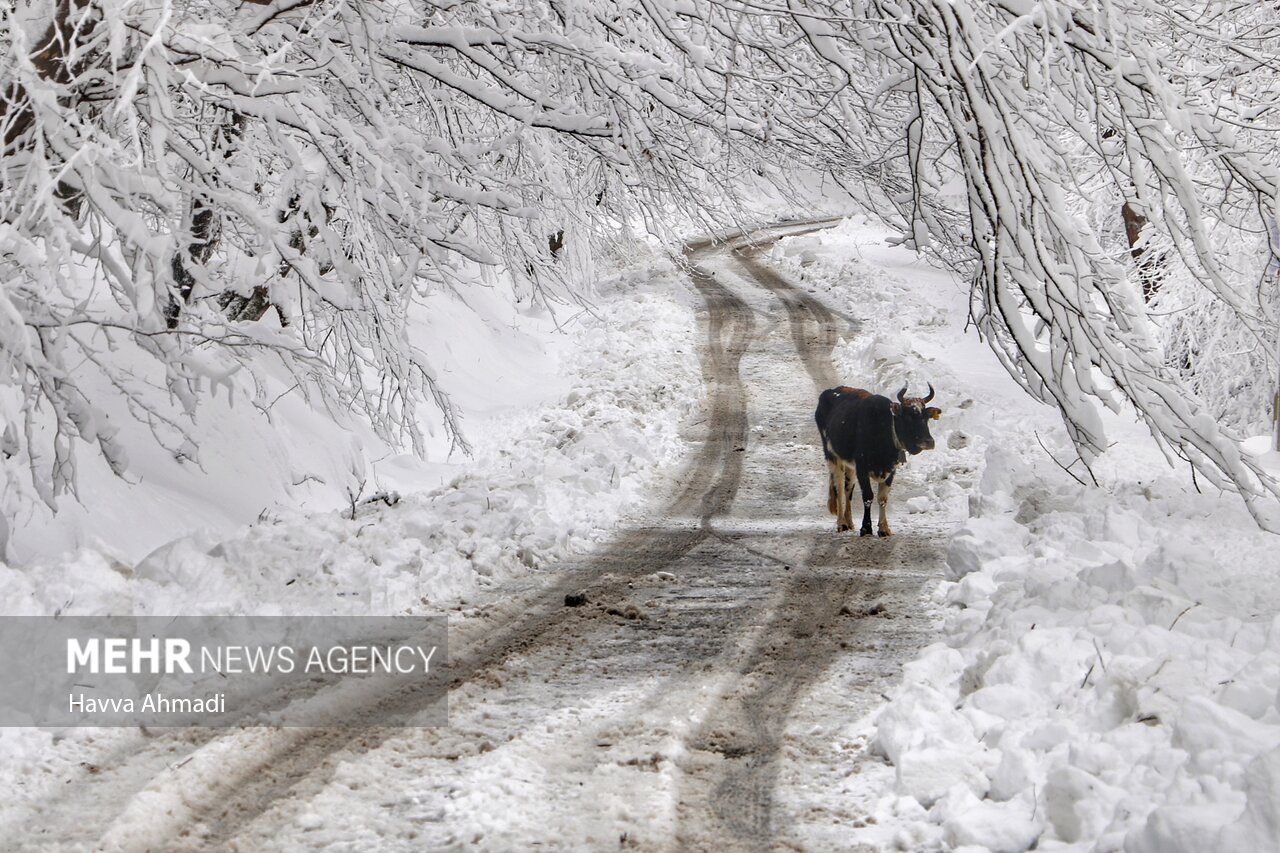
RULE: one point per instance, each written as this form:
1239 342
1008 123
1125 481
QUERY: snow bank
258 445
1109 672
548 481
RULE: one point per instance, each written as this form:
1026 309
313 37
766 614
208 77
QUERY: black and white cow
866 436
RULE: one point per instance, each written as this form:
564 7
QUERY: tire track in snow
765 634
831 605
277 767
814 329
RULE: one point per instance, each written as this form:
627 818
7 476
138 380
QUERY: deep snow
1108 673
589 429
1109 663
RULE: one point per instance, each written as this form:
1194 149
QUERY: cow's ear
895 408
933 413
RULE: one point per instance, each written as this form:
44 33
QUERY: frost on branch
193 195
196 195
1037 124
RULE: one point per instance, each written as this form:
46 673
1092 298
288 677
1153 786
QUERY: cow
867 436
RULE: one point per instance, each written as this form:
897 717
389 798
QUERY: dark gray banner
223 671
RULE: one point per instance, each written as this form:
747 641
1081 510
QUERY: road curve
711 621
837 596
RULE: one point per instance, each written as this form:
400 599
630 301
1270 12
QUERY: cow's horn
902 394
930 397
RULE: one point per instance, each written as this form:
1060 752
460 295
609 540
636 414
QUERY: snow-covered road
723 671
664 709
653 712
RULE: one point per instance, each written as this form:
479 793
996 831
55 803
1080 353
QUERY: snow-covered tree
1037 123
1102 172
192 190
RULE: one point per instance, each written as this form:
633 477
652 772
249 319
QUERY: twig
1183 613
282 394
1055 459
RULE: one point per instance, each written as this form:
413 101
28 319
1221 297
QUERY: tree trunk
206 226
1150 266
74 22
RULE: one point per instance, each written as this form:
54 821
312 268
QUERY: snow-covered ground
574 424
1110 657
1110 660
577 435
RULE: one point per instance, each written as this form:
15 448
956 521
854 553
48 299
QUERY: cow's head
911 416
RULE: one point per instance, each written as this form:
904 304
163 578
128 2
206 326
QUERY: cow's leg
840 491
833 500
882 497
847 474
865 482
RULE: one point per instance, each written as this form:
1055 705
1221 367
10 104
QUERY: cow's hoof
886 532
866 531
841 528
